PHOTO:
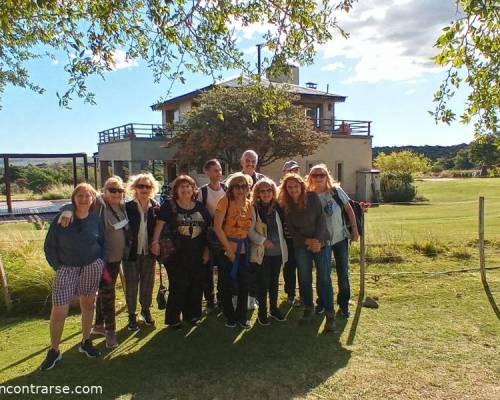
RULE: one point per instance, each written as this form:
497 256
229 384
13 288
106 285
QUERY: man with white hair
248 162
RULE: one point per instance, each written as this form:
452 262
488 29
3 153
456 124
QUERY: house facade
348 152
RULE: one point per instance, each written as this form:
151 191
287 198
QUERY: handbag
257 250
162 293
166 241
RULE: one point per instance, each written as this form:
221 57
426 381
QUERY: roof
243 81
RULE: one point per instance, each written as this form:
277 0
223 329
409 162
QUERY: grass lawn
434 336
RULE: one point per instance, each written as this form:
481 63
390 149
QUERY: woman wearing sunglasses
142 211
307 227
232 221
110 208
267 231
331 196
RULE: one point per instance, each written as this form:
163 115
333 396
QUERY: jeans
322 261
268 281
341 254
290 270
234 287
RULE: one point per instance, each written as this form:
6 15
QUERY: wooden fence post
362 261
5 287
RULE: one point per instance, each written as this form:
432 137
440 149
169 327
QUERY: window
339 171
312 163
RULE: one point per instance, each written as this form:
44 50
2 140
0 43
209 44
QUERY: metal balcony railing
135 130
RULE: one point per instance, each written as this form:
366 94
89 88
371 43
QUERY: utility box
368 185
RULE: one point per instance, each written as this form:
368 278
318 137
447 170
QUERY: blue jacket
81 243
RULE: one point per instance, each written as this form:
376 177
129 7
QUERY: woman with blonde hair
336 207
307 227
142 211
187 221
267 233
76 254
232 221
111 211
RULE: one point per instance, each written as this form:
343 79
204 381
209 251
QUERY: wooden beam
42 155
75 177
6 177
86 168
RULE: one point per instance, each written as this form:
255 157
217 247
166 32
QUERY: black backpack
204 192
356 207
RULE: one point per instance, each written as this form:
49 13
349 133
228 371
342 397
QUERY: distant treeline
432 152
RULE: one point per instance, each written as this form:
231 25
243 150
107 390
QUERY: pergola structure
7 156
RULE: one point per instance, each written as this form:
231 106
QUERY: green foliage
39 179
469 49
462 160
485 150
58 192
434 153
429 247
403 161
230 120
397 187
172 37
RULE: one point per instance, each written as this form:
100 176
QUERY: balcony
344 126
135 130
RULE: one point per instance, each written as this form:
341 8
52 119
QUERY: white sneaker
252 303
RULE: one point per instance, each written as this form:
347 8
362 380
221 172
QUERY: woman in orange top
232 221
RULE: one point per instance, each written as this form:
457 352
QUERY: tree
462 160
402 161
172 37
230 120
469 49
485 150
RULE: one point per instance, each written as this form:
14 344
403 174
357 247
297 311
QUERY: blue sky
384 68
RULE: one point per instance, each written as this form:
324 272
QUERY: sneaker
278 315
176 327
230 324
343 313
98 330
111 340
330 322
132 323
318 310
263 320
306 317
252 303
145 316
88 349
51 359
245 324
195 321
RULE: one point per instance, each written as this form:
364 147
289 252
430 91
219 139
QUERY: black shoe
146 317
307 317
195 321
176 327
278 315
343 313
244 324
263 320
230 324
132 323
318 310
88 349
51 359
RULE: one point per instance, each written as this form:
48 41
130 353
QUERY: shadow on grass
281 361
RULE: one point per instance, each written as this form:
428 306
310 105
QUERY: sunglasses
266 190
115 190
320 176
240 187
140 186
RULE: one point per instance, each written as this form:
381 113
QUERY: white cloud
121 61
409 92
391 40
333 67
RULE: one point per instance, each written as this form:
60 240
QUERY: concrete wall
138 149
354 152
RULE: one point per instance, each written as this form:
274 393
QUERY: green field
433 337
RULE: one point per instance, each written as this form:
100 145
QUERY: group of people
247 228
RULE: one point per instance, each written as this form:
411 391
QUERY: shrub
39 180
397 187
494 172
429 247
56 192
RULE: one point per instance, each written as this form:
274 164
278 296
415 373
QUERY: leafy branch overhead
227 121
171 36
469 48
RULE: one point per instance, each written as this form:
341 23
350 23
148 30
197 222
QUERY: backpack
204 192
356 207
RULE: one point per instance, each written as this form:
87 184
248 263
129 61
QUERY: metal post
6 177
259 47
362 262
74 172
86 168
482 263
95 172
